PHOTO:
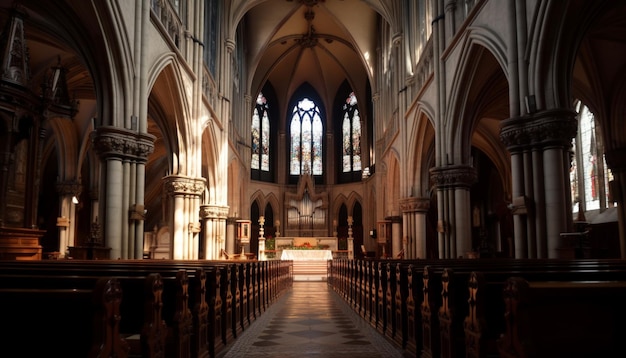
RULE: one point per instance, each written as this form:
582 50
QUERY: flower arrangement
308 246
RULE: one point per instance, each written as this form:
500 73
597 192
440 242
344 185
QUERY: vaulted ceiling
321 43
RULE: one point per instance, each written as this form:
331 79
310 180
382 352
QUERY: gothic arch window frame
588 162
352 135
266 143
351 130
261 134
306 96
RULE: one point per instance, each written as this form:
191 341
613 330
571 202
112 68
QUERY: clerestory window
351 136
261 135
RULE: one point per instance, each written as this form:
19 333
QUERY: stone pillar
396 234
542 207
122 151
213 221
454 225
414 212
183 194
231 231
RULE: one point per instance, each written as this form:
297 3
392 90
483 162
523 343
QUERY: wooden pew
128 273
66 321
426 323
567 319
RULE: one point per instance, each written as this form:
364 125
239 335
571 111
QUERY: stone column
183 192
454 225
122 150
231 230
396 233
542 206
213 219
414 212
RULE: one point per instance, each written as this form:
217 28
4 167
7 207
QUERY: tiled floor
310 320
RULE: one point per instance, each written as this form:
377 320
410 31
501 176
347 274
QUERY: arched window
306 139
260 135
589 174
351 136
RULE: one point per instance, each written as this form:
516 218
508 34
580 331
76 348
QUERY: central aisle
310 320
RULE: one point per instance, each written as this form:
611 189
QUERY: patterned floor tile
310 320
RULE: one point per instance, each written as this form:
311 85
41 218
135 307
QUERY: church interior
323 133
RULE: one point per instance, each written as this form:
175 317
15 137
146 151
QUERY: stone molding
543 129
113 142
182 185
212 211
454 176
413 204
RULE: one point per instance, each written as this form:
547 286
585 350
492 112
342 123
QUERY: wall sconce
75 200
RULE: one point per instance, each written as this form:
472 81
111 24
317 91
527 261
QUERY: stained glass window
307 133
351 136
589 174
260 135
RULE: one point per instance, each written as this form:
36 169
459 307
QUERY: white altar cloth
306 255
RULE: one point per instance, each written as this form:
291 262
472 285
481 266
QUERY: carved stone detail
123 144
413 204
180 185
547 128
454 176
213 212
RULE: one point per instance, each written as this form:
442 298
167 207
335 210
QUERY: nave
310 320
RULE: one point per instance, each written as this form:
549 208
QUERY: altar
307 255
308 264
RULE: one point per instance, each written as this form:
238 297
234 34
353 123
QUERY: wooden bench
191 309
431 307
566 319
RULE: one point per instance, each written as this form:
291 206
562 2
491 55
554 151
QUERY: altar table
307 255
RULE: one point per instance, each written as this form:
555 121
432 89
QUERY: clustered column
184 196
454 211
125 153
540 146
213 231
414 212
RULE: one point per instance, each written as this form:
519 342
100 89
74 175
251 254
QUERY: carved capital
454 176
213 212
413 204
180 185
542 129
122 144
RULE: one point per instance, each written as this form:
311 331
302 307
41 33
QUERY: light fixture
74 200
